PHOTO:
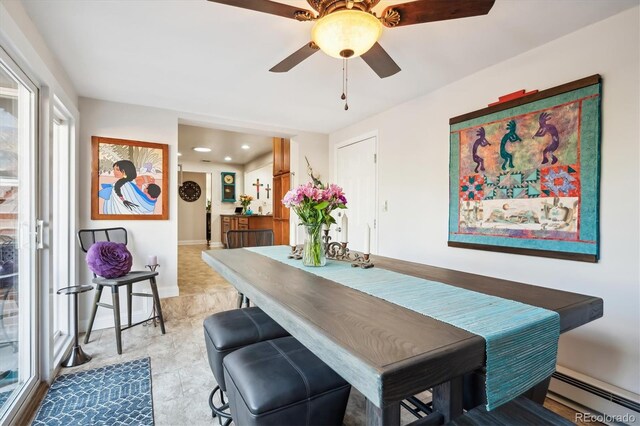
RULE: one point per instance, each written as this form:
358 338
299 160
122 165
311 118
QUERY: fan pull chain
345 83
343 97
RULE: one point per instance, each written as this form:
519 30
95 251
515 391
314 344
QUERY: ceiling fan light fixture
346 33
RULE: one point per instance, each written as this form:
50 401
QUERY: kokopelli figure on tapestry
481 141
549 128
512 137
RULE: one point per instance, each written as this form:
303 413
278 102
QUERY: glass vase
313 253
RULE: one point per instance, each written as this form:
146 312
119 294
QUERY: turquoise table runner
521 340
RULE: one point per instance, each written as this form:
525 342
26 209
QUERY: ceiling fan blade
420 11
296 57
268 6
380 61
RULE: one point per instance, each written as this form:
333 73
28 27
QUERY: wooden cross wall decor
257 185
268 189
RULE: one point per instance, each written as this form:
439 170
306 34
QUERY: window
18 294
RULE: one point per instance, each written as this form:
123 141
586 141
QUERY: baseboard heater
594 396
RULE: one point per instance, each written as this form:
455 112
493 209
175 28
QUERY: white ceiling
204 58
222 143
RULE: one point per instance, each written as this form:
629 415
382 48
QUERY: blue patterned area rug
118 394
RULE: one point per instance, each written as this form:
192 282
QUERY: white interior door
356 173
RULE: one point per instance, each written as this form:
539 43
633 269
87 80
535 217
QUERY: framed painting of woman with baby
129 180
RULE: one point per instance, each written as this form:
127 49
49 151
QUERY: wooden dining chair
248 238
88 237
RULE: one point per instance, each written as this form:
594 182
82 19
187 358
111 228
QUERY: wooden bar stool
86 238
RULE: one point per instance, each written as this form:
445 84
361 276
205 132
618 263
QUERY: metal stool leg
156 302
222 411
115 296
77 356
129 302
94 309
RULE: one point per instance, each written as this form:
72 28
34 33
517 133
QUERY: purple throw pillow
109 260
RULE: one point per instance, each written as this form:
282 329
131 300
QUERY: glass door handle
39 234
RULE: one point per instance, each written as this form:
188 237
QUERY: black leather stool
228 331
280 382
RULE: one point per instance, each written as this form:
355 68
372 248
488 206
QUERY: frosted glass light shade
346 30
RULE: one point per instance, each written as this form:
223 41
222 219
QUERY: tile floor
181 377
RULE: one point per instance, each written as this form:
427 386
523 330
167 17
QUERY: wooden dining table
387 352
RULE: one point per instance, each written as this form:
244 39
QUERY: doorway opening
216 168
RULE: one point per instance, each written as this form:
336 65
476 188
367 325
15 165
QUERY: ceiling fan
349 28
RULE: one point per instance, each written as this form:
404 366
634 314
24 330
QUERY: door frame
31 385
352 141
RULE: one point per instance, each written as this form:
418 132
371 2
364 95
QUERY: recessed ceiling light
245 147
227 158
201 149
179 154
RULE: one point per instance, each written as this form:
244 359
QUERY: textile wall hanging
525 174
129 180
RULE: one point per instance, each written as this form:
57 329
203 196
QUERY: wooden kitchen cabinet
281 152
232 222
281 184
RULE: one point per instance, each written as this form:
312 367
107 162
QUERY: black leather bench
228 331
520 411
280 382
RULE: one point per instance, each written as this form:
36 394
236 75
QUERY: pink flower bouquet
314 203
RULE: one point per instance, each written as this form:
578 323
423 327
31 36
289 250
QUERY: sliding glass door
17 235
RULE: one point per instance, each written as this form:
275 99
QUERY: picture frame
129 179
525 174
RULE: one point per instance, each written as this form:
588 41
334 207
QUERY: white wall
192 215
146 237
260 168
314 147
20 37
413 160
217 206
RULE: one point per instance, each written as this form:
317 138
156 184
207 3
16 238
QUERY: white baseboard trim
216 245
191 242
165 292
587 395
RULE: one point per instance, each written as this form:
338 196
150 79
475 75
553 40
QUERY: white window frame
31 296
62 226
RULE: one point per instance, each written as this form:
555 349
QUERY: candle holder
296 252
152 268
339 251
363 262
